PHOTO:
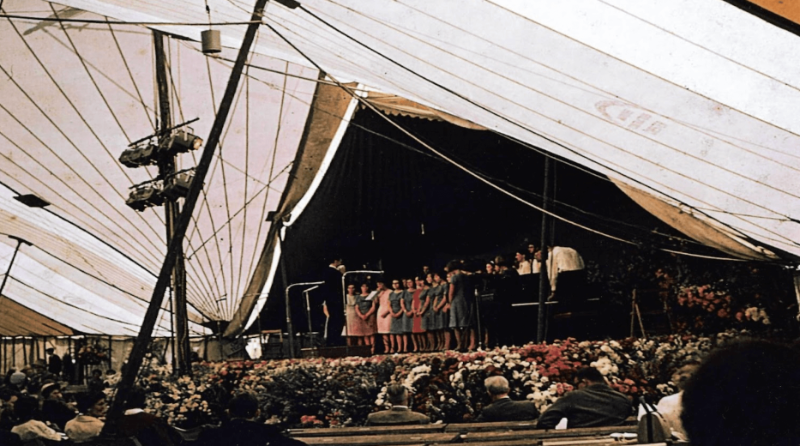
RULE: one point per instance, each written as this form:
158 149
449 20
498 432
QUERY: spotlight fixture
181 141
178 186
138 155
145 196
212 41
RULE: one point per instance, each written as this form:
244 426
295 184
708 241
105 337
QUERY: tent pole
543 279
140 347
166 169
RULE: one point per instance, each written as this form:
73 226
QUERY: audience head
244 405
500 261
682 374
397 395
18 379
26 408
336 260
50 350
497 386
51 391
92 404
8 395
96 374
136 399
519 254
745 393
588 376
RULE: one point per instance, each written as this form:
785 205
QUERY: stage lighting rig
180 141
177 185
144 196
141 154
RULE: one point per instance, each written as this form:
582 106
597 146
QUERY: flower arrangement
447 386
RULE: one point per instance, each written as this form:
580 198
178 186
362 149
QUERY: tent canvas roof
689 102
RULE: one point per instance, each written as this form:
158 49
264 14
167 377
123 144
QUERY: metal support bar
543 273
289 327
143 339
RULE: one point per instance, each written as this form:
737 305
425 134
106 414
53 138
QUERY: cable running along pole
143 339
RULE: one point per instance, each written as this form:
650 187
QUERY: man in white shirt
565 269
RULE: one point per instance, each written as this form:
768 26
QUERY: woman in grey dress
460 306
398 307
440 316
408 319
427 313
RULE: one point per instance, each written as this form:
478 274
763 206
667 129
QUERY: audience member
28 427
53 362
242 429
54 409
594 404
502 407
18 380
149 429
8 397
398 397
87 425
95 383
670 407
744 394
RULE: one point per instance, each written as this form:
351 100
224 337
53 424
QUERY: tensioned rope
547 138
72 143
433 157
205 296
624 128
144 302
427 146
127 239
594 89
200 289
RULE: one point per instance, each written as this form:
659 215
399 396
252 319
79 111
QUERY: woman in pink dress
384 320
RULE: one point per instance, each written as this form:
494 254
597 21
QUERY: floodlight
139 155
145 196
212 42
178 185
181 141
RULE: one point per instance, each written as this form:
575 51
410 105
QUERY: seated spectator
502 407
397 395
8 396
95 383
149 429
242 429
744 394
28 427
87 425
594 404
18 380
54 409
670 407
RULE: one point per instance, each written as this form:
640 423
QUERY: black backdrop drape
383 188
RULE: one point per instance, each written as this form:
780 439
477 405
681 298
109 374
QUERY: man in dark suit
595 404
242 429
333 295
399 413
502 407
